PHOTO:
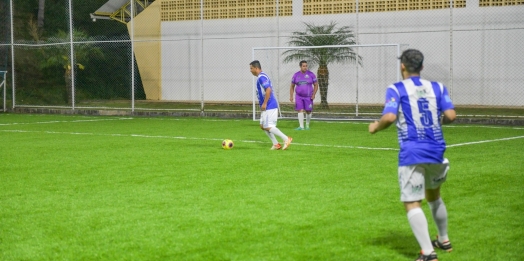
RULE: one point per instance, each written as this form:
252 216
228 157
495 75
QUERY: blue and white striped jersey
418 104
263 82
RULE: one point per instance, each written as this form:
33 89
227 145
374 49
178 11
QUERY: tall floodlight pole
71 55
132 37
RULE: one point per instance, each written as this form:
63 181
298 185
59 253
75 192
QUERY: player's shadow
401 241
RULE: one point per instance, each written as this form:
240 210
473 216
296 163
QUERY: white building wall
486 65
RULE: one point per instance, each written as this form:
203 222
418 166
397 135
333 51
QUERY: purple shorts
303 103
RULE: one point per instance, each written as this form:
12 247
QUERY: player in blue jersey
306 85
419 107
269 107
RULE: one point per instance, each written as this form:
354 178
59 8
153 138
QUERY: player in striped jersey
419 107
268 106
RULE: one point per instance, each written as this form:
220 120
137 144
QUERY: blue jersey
263 82
418 104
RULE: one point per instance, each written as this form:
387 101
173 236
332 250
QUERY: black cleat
446 245
430 257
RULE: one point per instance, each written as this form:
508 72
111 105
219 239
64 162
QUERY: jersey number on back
423 108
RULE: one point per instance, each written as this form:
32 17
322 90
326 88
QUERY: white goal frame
3 88
316 47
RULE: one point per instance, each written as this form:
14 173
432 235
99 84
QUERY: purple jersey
304 83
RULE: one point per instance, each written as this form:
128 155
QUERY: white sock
301 119
271 137
440 215
419 225
308 119
277 132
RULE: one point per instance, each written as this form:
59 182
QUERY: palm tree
60 56
319 36
41 9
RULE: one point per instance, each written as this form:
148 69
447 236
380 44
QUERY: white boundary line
483 141
47 122
246 141
189 138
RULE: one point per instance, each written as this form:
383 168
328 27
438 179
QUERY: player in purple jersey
268 106
304 83
419 107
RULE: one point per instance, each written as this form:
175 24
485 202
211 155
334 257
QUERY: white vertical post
451 48
356 61
278 59
132 38
202 57
12 56
398 63
71 55
253 84
3 83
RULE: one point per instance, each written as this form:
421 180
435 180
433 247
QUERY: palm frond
319 36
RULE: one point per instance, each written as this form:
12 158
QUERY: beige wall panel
148 50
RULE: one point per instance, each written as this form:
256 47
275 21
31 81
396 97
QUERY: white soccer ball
227 144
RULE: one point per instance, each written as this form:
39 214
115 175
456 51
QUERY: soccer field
138 188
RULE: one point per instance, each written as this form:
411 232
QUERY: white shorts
415 179
268 118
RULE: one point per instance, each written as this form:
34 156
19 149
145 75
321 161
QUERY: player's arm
447 107
266 98
385 121
389 114
291 91
315 89
449 116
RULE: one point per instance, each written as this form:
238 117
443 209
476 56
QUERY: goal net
352 90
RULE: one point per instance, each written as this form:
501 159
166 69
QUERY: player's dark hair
256 64
301 62
412 60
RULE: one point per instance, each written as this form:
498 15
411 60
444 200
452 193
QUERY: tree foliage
40 70
323 35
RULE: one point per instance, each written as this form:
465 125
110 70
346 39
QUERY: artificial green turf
122 188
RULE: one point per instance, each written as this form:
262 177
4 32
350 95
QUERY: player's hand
291 99
373 127
313 97
263 107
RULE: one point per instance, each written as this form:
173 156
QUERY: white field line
247 141
48 122
191 138
483 141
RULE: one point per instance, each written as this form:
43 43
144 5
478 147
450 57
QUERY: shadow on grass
402 242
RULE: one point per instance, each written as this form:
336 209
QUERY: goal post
350 90
3 88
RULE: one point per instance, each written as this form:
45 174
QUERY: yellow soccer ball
227 144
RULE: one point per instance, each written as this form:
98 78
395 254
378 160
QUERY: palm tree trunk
323 84
41 7
68 94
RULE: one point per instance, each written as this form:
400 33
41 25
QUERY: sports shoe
288 142
446 245
307 128
276 147
299 128
430 257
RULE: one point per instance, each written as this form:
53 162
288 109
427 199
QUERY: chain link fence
194 55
